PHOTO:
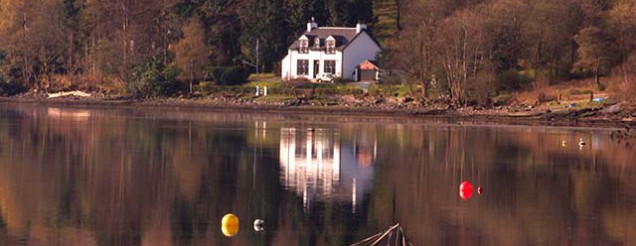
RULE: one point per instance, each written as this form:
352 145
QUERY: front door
316 68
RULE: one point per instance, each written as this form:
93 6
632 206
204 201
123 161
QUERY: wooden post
191 74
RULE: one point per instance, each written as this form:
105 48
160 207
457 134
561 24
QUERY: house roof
369 64
343 37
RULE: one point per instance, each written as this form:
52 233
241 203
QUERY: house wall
362 48
285 72
289 64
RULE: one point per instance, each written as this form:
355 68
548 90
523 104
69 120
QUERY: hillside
385 27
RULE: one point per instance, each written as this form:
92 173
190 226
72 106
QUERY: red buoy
465 190
480 190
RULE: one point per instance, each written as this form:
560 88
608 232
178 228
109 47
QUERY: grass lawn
264 79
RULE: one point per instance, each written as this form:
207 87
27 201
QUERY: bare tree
14 29
622 22
34 35
124 32
415 51
463 54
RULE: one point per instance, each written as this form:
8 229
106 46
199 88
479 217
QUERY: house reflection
319 166
78 115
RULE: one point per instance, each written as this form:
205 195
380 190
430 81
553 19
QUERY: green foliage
349 13
3 57
596 50
398 90
208 89
513 80
228 75
152 78
9 87
269 84
266 25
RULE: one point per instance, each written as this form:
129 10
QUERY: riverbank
590 115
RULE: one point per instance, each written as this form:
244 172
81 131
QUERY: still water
155 177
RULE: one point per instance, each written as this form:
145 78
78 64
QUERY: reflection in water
66 113
129 177
316 166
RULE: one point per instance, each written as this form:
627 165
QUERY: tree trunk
398 16
424 90
69 58
26 75
597 79
191 74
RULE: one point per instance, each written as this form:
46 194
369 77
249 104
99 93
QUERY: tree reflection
113 177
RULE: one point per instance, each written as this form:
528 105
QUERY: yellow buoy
230 225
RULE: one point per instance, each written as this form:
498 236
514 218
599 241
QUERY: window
317 43
331 46
302 67
304 46
330 66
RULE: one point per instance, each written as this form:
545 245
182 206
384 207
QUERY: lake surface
160 177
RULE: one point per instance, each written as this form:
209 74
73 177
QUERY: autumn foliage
467 51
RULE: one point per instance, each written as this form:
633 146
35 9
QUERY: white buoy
581 142
259 225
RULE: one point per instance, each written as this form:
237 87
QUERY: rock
612 109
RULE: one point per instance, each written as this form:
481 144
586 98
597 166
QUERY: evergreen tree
265 34
596 52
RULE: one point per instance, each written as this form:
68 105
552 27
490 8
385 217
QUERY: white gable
334 50
362 48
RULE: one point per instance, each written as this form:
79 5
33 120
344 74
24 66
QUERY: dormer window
304 46
317 43
330 43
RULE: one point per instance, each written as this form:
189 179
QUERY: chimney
360 27
312 25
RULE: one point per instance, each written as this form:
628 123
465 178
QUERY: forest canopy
469 50
106 40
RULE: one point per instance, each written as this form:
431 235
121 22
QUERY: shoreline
459 116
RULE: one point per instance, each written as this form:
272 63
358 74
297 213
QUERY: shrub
513 80
626 79
3 58
481 87
152 78
228 75
10 87
9 83
209 89
214 73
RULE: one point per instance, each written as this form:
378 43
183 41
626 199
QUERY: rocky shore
595 115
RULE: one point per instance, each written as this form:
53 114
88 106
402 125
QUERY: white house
329 50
